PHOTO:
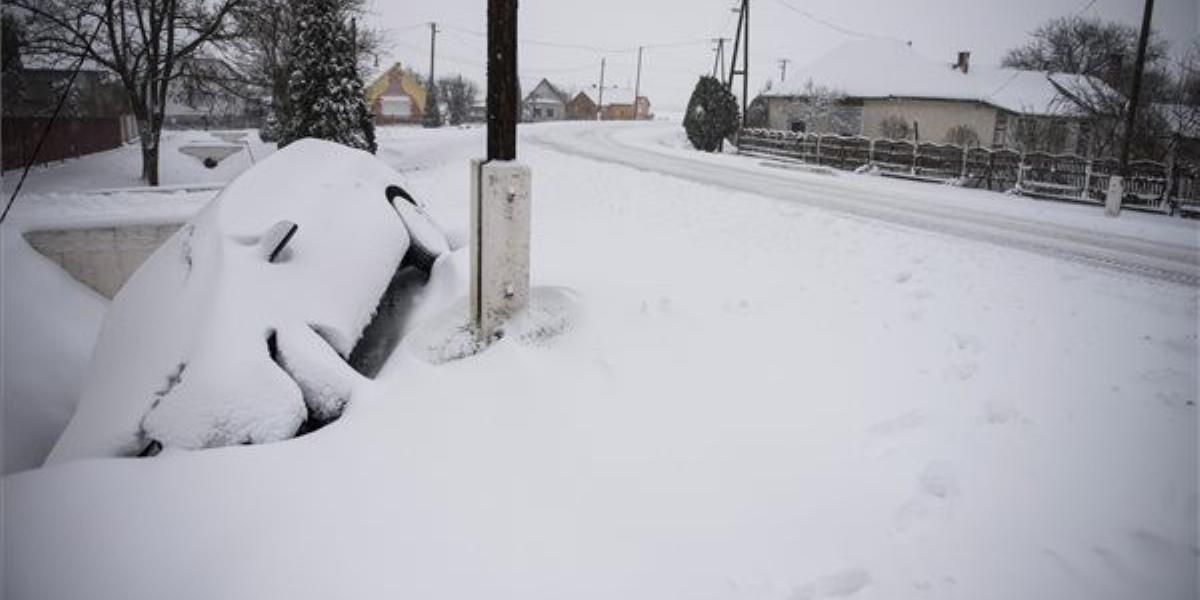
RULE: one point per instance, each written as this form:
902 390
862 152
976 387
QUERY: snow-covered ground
771 393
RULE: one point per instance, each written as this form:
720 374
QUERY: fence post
963 172
1087 181
871 153
991 166
912 170
818 148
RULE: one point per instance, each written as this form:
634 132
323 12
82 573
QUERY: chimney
964 62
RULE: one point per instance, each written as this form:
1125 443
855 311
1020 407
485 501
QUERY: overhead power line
835 26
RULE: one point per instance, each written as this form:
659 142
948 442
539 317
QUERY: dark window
798 126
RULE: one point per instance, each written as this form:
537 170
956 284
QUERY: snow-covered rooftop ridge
883 69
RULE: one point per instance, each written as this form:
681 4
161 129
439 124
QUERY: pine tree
712 115
326 93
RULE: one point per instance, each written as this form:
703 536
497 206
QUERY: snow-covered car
236 330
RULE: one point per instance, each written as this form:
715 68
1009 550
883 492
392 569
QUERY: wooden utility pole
600 101
783 62
500 191
1136 92
637 88
741 44
1116 183
503 105
719 58
431 99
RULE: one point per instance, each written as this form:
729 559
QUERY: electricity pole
1131 113
719 58
637 88
1116 184
600 100
783 62
741 43
500 191
431 91
503 105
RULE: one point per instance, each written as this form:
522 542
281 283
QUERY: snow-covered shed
886 89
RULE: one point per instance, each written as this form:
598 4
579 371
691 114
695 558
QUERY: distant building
622 107
95 117
478 112
545 103
582 108
396 96
885 89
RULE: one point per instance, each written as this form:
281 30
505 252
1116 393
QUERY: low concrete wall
103 258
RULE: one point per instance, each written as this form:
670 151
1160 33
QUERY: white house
546 103
886 89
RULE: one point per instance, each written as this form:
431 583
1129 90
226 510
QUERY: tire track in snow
1162 261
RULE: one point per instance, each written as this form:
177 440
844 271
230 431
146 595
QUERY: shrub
712 115
894 127
962 135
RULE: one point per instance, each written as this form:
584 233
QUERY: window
798 126
396 106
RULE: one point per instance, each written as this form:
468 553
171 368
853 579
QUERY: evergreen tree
712 115
325 91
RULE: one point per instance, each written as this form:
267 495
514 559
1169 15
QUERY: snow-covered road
649 147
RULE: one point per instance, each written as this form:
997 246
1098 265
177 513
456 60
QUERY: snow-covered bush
236 330
326 94
962 135
894 127
712 115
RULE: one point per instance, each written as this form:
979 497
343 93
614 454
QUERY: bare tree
144 42
894 127
821 110
962 135
1100 56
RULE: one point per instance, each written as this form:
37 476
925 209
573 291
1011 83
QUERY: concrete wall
103 258
935 117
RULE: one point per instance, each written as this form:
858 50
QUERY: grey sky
937 28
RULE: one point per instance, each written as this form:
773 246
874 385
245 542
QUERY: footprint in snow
933 503
903 277
842 584
960 371
883 435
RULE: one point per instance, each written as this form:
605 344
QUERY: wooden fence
1151 185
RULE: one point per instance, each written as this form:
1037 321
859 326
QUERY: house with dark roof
883 89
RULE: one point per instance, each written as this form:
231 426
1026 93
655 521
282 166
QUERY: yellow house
396 97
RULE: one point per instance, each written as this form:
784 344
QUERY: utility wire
835 26
46 132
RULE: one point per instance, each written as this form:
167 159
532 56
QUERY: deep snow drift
753 399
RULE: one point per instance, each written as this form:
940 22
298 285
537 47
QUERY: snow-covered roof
884 69
618 96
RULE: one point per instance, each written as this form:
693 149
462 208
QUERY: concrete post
500 222
1112 202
